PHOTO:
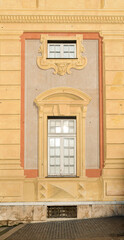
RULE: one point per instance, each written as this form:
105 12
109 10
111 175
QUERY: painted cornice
62 19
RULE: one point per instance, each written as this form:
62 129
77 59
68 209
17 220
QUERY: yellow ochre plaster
103 16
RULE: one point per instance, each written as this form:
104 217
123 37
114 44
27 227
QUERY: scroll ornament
61 66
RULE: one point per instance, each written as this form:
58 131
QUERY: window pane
58 55
58 123
71 130
72 48
52 142
66 153
66 170
57 170
51 151
57 161
58 129
66 55
66 142
66 48
58 126
51 48
52 161
65 129
71 142
65 122
57 48
57 151
71 161
52 123
51 55
57 142
52 170
71 123
52 130
69 127
66 161
71 170
72 55
71 152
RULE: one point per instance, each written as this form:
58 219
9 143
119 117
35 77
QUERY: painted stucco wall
38 81
58 5
104 17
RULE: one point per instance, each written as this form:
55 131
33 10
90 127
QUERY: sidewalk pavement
111 228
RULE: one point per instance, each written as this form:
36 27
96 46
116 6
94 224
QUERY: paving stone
96 228
3 230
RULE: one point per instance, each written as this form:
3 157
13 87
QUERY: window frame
62 136
61 44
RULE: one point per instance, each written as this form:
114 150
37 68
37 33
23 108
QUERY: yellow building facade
61 108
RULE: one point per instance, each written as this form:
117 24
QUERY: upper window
61 53
61 49
62 147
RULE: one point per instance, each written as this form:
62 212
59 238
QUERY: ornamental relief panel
61 66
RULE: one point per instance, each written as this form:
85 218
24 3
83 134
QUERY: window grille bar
62 211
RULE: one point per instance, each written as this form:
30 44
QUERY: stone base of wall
97 211
13 215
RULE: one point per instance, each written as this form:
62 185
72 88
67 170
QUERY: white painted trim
61 203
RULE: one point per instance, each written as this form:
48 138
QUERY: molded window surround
61 56
67 102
